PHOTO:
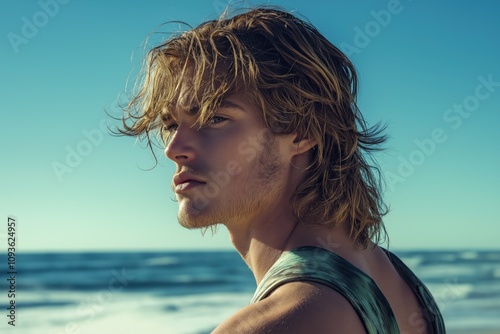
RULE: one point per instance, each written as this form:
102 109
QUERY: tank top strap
430 307
314 264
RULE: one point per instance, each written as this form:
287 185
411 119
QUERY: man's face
228 171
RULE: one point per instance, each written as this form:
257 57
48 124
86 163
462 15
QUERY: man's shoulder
295 308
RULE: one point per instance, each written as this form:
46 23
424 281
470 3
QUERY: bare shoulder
296 308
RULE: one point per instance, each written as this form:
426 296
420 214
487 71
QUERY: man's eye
170 127
216 120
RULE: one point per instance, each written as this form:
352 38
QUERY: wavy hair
300 82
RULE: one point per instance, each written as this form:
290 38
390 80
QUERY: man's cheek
233 168
245 150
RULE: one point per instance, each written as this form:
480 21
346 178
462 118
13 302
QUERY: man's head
296 82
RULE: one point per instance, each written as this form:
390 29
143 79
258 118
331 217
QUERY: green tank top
314 264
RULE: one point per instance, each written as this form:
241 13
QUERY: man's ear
302 145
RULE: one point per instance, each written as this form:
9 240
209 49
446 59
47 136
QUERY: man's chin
197 225
193 219
192 216
189 224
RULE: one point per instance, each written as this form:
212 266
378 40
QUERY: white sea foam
134 313
162 261
412 261
449 271
469 255
449 291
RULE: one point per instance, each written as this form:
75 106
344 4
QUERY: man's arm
296 308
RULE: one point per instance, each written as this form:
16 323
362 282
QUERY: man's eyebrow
166 114
229 104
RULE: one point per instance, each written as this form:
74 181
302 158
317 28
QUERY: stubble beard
233 205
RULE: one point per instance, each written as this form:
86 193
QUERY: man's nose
181 147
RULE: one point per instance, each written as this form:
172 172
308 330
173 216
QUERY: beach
192 292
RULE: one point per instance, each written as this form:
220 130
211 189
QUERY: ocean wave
162 261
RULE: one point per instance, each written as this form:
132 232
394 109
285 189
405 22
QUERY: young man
258 113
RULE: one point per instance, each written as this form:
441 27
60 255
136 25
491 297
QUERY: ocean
192 292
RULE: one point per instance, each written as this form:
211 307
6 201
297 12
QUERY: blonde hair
300 82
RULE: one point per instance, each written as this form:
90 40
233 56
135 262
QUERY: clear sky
430 69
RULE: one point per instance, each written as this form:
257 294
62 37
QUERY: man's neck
262 241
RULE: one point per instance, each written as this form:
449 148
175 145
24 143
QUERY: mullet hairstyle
300 82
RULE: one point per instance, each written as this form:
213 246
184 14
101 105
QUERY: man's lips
185 180
185 177
187 185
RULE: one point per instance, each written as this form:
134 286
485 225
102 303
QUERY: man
258 113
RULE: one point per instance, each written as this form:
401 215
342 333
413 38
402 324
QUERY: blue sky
428 69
